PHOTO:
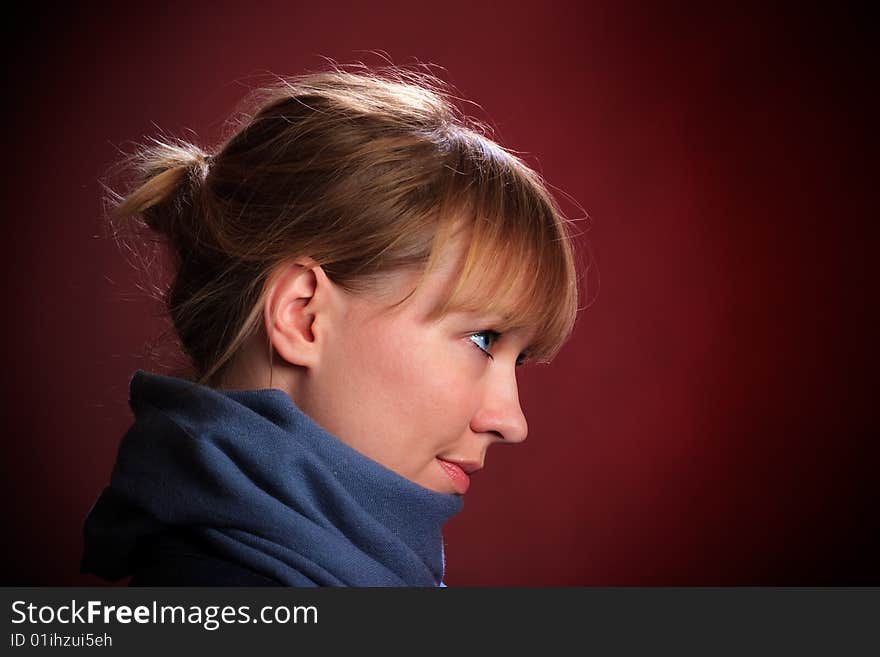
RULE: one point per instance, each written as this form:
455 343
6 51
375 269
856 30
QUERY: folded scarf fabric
265 486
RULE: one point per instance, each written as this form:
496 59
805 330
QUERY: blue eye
493 337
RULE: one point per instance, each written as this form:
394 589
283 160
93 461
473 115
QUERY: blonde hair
366 173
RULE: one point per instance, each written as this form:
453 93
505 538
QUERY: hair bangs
519 264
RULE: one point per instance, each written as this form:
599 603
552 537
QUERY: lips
459 472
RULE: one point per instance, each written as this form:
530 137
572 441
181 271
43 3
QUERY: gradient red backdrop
710 420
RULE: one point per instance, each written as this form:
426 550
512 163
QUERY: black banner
134 621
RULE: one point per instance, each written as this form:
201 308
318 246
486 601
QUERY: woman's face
412 395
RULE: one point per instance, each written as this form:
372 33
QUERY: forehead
438 283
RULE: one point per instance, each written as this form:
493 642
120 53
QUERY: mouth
459 473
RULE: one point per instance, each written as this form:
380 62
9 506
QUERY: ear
296 312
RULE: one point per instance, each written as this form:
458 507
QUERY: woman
359 270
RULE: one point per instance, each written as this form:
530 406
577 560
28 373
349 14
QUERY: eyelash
495 335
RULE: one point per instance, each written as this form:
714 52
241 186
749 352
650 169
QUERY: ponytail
167 194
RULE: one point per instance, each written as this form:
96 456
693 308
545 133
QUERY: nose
500 411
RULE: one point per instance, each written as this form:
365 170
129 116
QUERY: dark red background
710 420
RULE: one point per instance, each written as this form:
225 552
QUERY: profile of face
424 399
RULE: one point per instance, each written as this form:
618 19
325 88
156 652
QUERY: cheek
421 379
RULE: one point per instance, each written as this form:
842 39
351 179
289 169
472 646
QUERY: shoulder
179 558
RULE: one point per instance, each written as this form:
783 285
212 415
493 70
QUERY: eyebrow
502 322
491 319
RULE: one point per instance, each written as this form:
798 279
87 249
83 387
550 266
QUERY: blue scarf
268 488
